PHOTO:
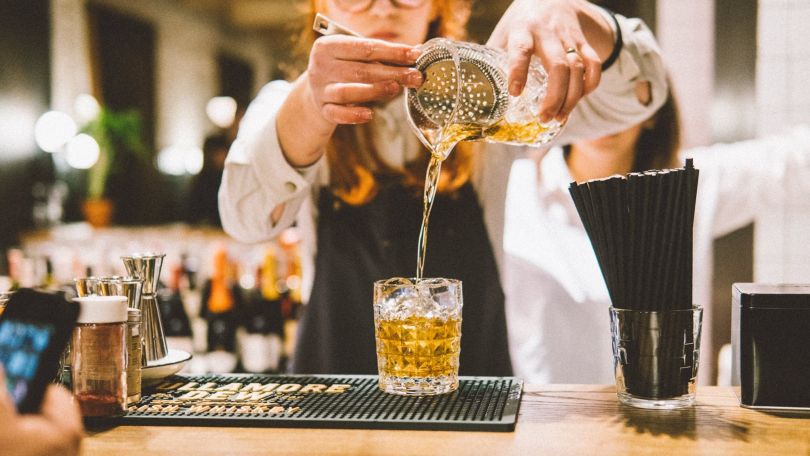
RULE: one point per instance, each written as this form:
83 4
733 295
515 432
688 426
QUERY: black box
770 335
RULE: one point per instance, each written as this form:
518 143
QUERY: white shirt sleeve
613 106
257 177
740 180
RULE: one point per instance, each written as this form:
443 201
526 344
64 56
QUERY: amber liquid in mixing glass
528 133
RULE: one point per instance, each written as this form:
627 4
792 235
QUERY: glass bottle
291 301
176 323
85 286
134 355
99 355
261 344
221 300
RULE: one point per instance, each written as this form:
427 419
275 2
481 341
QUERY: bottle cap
102 309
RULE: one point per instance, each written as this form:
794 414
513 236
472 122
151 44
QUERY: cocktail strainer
460 86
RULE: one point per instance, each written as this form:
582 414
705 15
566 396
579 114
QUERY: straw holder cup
655 356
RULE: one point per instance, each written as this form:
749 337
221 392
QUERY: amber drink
417 326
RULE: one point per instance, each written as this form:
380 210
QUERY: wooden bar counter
554 420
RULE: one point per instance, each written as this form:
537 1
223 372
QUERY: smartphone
34 330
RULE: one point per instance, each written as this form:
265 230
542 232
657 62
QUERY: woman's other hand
570 37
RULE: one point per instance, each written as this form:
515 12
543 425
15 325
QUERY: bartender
331 152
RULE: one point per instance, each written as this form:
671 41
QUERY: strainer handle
326 26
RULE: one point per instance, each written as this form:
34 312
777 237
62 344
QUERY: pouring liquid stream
446 140
440 150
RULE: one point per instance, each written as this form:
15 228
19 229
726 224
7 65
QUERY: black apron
358 245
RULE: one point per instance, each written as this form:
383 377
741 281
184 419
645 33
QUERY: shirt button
290 186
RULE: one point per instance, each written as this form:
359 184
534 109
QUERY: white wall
186 79
685 31
782 250
70 55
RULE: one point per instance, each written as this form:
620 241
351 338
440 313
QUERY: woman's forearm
302 131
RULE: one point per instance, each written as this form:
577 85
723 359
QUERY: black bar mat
322 401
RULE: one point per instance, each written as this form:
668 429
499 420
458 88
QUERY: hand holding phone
57 429
34 331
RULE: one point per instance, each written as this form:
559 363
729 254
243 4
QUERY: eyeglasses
358 6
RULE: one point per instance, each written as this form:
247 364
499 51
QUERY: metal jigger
121 286
86 286
147 267
131 288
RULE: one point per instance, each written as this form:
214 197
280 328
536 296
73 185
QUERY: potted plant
116 133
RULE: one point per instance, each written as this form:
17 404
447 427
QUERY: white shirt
556 299
258 178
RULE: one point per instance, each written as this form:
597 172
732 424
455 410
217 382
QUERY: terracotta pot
98 211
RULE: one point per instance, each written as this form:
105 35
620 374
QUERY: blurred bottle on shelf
49 282
26 271
220 298
189 269
176 324
190 292
15 259
290 285
261 341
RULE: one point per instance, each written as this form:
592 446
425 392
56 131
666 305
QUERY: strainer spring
481 99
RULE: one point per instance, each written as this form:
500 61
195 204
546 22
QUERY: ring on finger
571 50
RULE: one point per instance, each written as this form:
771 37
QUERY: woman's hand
57 429
345 72
570 37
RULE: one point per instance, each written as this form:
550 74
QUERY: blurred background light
221 111
86 108
17 118
82 151
53 129
193 160
180 160
247 281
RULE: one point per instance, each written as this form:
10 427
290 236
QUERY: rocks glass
417 325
